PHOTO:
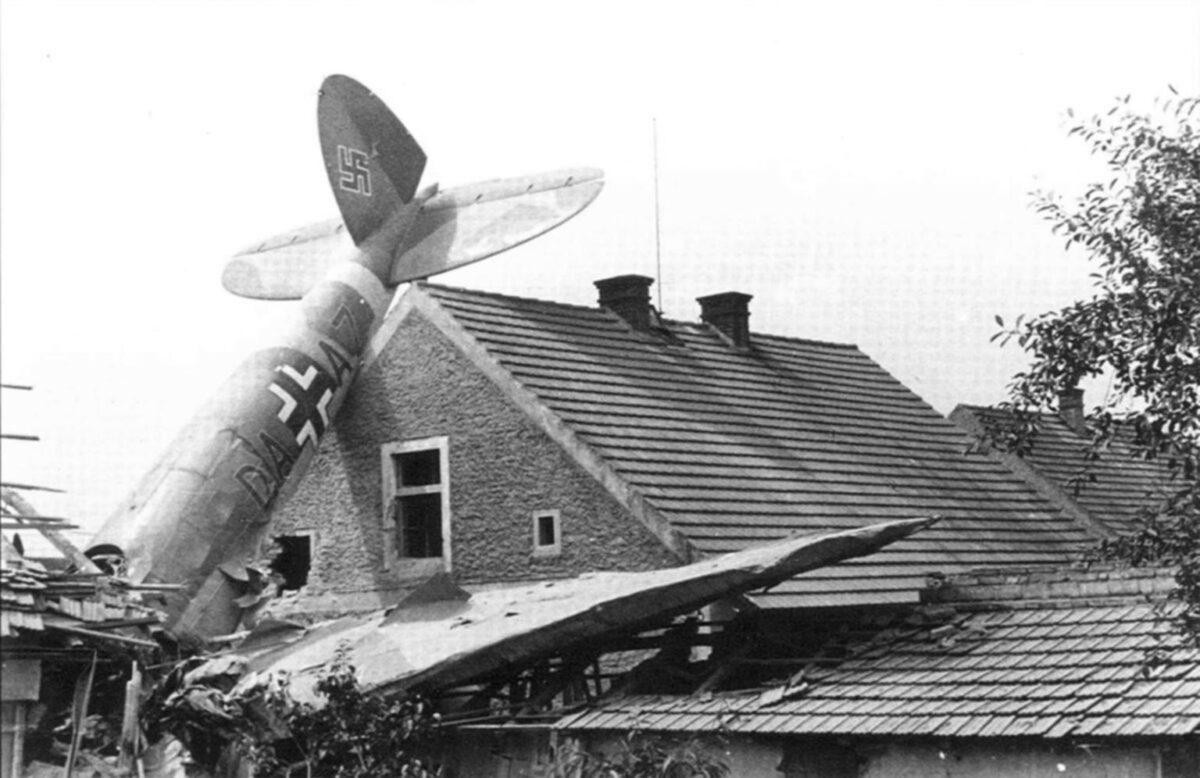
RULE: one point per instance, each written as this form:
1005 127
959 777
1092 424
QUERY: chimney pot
1070 409
628 296
729 312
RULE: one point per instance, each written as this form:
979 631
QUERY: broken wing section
428 645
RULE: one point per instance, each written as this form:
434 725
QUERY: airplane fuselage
200 517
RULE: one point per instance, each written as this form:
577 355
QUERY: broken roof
42 608
717 447
1034 668
1110 490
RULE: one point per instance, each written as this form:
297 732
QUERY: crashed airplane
198 518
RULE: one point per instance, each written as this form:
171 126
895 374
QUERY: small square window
547 533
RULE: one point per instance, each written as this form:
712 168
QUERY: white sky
862 169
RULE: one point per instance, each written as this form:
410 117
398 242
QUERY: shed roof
1111 489
1050 669
737 446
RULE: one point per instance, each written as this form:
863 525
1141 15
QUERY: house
503 439
1107 492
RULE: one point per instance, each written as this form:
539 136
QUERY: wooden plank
79 711
56 538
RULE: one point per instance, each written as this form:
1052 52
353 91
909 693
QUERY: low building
71 640
1041 672
1106 488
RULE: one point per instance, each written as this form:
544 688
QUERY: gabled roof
1110 490
733 447
1072 667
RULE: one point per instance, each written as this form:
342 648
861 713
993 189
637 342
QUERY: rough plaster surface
974 759
502 468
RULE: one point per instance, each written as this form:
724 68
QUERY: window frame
388 454
555 548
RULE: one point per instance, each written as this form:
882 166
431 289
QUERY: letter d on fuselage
201 515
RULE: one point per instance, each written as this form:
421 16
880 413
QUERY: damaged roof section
993 657
441 636
44 605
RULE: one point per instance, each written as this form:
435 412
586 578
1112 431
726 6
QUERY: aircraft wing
442 636
451 229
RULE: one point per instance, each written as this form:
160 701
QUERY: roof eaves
547 420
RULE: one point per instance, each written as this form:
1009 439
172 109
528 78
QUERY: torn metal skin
442 636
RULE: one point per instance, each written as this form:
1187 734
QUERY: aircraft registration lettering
355 170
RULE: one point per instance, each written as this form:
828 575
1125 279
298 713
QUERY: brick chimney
628 297
1070 409
730 313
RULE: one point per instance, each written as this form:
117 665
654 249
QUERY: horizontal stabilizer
288 265
452 229
467 224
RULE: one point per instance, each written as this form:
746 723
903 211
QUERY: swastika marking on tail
355 171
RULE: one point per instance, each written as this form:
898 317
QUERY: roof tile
735 447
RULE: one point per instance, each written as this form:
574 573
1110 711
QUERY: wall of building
1001 760
780 757
502 468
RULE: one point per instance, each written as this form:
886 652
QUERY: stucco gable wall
502 468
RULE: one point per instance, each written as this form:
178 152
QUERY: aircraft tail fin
374 164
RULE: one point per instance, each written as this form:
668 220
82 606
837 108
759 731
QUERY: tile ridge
508 297
668 322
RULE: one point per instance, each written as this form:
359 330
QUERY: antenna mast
657 240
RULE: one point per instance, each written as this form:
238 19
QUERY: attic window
293 561
417 498
547 533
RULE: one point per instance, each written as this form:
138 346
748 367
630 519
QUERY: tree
1141 326
642 755
352 733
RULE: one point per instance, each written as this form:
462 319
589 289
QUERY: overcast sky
863 170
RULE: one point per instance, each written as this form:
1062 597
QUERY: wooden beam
56 538
79 709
